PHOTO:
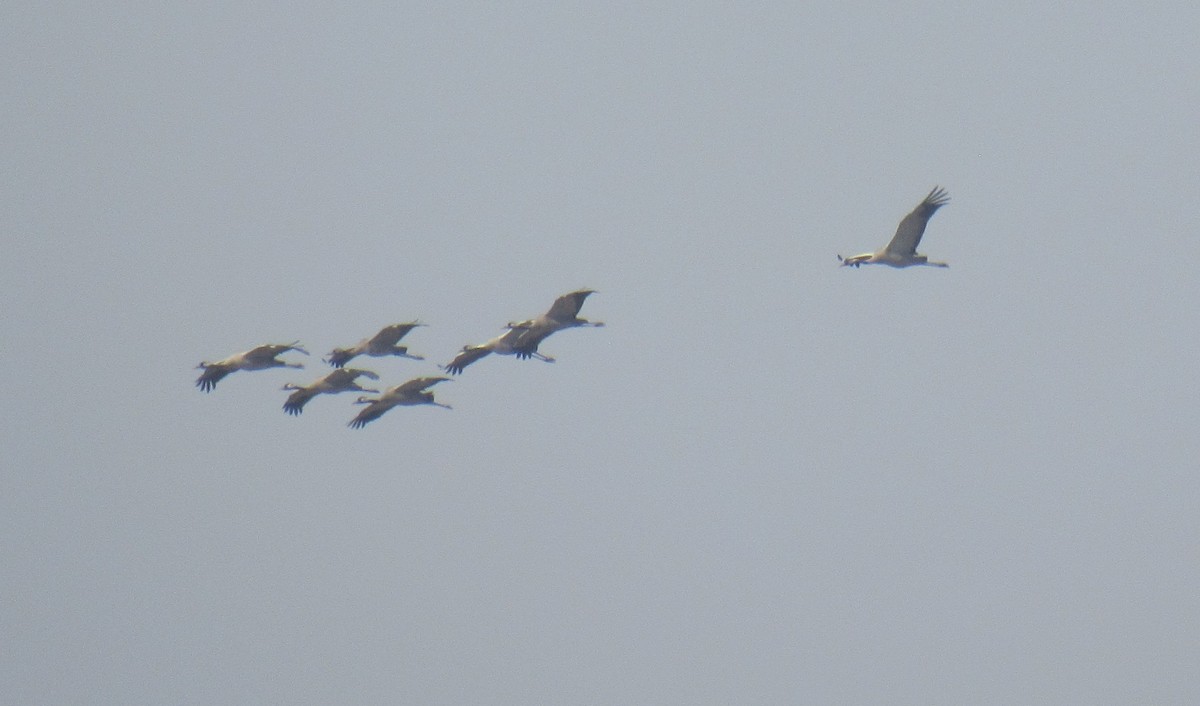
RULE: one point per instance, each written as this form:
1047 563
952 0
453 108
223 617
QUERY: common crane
380 345
504 344
563 314
412 392
340 380
523 337
902 250
260 358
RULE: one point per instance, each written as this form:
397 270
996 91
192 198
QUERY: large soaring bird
563 314
902 251
410 393
523 337
379 345
504 344
340 380
260 358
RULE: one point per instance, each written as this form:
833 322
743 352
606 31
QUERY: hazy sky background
767 480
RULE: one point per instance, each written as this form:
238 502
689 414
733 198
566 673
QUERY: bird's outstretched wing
343 377
567 307
267 351
412 387
468 355
374 410
526 346
340 356
912 227
389 335
296 401
213 373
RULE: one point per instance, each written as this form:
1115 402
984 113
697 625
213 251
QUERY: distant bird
340 380
504 344
902 251
412 392
563 314
259 358
523 337
380 345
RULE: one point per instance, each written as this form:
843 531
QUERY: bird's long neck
856 260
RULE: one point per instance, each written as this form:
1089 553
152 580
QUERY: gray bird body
902 250
413 392
380 345
258 358
339 380
523 337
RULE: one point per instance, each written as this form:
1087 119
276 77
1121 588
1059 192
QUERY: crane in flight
563 314
504 344
902 250
339 380
380 345
412 392
258 358
523 337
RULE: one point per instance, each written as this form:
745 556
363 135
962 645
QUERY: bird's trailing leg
526 355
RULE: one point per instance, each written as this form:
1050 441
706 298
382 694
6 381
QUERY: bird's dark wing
388 335
349 375
267 351
340 377
340 356
528 343
567 306
465 357
296 401
412 387
368 414
211 376
912 227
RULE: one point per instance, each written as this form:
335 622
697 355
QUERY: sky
767 480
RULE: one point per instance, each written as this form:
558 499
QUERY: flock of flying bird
521 338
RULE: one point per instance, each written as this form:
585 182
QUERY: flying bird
380 345
563 314
504 344
260 358
523 337
340 380
412 392
902 251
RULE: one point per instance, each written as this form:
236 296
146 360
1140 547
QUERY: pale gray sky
768 480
